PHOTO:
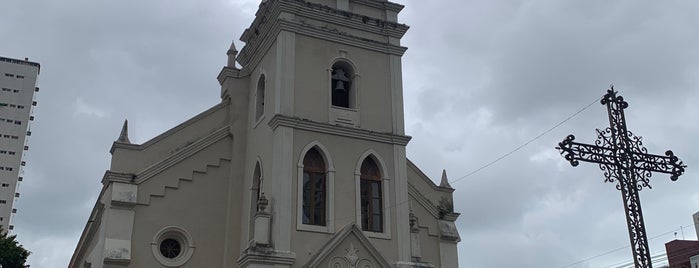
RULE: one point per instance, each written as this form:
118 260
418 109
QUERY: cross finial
612 98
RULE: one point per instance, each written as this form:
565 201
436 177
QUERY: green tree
12 254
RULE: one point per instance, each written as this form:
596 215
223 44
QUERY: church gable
349 248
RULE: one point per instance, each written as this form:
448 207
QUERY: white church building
301 164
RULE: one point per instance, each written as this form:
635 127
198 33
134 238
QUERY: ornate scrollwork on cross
623 159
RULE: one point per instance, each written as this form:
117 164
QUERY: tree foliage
12 254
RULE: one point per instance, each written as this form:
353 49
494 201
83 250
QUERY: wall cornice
263 31
354 21
424 201
249 257
227 72
427 178
182 154
387 5
111 176
336 35
156 139
304 124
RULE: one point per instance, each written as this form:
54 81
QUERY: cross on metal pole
622 158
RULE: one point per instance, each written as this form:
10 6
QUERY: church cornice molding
227 72
160 166
112 176
395 7
329 14
355 21
304 124
427 179
156 139
262 33
337 35
182 154
249 257
423 201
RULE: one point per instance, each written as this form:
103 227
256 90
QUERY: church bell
340 87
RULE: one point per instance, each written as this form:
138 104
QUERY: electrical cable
506 154
627 246
526 143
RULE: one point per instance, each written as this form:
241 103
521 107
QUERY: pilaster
396 75
285 71
448 238
281 184
119 224
235 90
402 207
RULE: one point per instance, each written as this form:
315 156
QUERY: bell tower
317 123
301 164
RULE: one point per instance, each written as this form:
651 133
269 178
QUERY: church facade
301 164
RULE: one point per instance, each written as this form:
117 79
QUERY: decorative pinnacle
445 182
232 54
262 202
232 49
124 136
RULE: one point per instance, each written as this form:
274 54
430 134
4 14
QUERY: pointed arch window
256 187
260 98
314 188
371 196
255 191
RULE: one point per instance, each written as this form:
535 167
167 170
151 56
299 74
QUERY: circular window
172 246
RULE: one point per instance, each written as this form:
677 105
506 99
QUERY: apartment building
18 85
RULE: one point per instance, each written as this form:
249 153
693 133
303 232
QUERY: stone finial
413 222
124 136
232 54
262 202
445 182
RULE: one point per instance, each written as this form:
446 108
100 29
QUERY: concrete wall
198 205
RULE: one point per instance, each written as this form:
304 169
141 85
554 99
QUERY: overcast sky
481 78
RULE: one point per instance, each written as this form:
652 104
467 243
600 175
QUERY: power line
624 247
662 257
526 143
508 153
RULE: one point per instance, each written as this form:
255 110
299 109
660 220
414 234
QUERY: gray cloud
480 79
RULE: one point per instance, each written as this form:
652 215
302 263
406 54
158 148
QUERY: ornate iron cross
622 158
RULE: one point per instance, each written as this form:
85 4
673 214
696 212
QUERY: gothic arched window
314 188
256 187
255 191
260 98
370 193
341 87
